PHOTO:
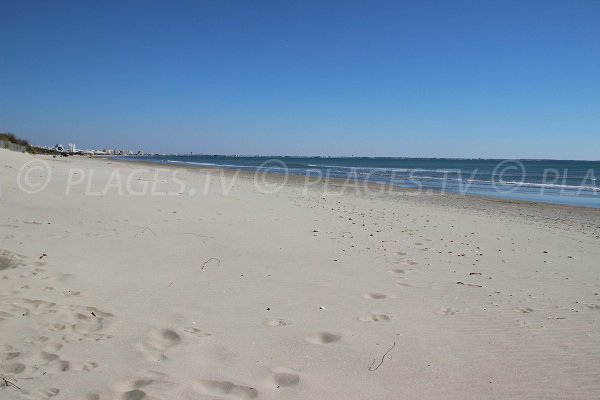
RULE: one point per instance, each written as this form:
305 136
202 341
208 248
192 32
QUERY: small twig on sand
468 284
382 359
209 260
9 383
147 228
197 234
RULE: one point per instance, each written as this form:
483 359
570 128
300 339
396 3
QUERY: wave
381 174
552 185
385 169
205 164
509 183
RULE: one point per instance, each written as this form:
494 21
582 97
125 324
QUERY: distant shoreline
550 193
579 218
347 157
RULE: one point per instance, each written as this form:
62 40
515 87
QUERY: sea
573 183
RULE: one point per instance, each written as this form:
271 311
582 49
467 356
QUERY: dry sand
298 294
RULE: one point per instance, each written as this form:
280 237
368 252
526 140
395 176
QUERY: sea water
564 182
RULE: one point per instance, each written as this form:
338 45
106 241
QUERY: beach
137 281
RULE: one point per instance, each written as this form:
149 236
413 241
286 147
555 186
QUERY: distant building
72 148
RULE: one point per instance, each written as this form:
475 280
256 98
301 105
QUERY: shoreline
389 187
587 217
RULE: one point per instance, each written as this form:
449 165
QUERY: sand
219 290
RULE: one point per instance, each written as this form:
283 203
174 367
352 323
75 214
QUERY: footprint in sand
43 394
90 337
162 339
85 323
39 306
227 389
196 332
276 322
323 338
153 385
376 317
592 306
135 394
408 262
9 260
82 323
71 293
397 271
446 311
64 277
27 307
9 353
35 340
39 363
282 378
524 310
159 341
37 273
374 296
13 367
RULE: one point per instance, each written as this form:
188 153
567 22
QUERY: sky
490 79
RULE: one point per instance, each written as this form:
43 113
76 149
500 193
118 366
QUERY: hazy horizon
351 156
393 79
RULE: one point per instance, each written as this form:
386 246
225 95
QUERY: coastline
237 293
560 182
587 217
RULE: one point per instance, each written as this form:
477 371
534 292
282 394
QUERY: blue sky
422 78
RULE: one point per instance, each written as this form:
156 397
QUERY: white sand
302 295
